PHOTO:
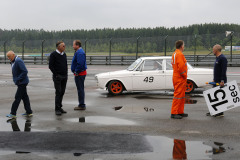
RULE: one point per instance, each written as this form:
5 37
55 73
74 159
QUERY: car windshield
134 64
189 66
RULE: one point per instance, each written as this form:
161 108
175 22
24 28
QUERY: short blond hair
218 47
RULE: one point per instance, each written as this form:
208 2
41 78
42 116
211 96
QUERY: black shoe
58 112
79 108
183 115
219 115
176 116
62 111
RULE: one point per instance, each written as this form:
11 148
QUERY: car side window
152 65
168 64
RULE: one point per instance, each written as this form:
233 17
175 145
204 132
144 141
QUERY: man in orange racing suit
179 64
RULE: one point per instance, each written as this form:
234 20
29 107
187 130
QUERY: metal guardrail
200 60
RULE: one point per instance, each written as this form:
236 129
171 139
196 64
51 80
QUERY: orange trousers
179 95
179 150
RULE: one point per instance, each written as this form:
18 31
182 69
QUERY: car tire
115 87
190 87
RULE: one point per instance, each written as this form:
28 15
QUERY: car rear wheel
115 87
190 87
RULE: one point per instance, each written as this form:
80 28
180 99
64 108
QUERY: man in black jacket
220 70
58 66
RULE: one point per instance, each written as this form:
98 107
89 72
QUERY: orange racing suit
179 64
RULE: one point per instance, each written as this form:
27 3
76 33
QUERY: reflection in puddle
190 101
118 108
102 120
132 109
121 95
77 154
15 127
20 152
169 148
217 147
179 149
82 119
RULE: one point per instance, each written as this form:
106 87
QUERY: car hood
114 73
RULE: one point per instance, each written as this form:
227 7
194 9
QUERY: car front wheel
115 87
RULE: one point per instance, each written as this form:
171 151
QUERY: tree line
31 34
124 40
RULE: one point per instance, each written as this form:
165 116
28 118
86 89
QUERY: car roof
159 57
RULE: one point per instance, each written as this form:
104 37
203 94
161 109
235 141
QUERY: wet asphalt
134 125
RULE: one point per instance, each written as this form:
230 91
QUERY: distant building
234 48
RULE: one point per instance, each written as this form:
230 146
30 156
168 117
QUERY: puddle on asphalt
133 109
6 83
22 124
156 95
180 149
15 127
152 97
16 124
188 98
77 154
164 147
3 82
102 120
141 109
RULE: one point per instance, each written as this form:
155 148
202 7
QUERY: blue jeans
79 80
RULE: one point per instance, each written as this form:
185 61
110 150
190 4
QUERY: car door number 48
148 79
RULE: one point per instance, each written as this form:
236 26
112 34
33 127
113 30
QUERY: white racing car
150 73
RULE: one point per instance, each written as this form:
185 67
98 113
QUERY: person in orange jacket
179 64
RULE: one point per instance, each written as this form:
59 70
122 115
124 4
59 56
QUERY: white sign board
222 99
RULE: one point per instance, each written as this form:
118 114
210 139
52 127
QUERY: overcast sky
91 14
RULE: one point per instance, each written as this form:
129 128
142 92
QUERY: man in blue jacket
20 78
79 67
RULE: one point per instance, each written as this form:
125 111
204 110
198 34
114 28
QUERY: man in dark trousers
58 66
79 67
20 78
220 70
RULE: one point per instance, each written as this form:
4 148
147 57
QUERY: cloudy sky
91 14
